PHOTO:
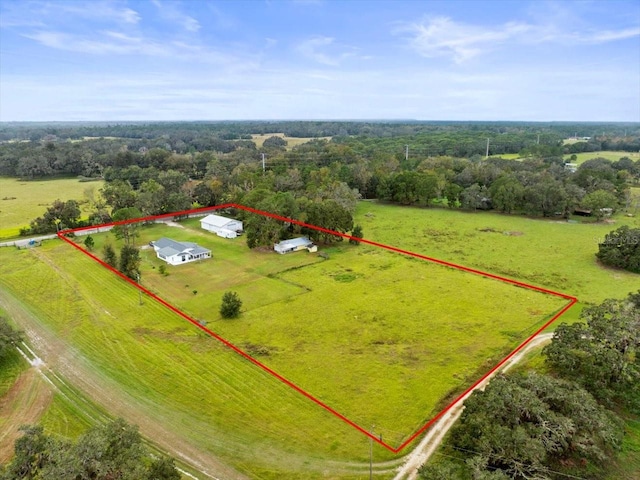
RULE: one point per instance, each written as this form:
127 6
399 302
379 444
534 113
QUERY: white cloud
118 43
326 51
215 93
441 36
106 44
170 11
610 36
444 37
102 10
312 49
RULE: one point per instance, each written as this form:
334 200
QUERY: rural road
58 362
433 438
25 241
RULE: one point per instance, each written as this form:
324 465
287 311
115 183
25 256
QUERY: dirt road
23 404
63 364
433 438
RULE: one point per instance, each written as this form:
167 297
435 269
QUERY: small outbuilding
294 245
222 226
177 253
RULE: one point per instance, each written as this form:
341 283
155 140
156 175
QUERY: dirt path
433 438
24 403
65 364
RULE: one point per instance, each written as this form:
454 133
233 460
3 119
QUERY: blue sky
319 59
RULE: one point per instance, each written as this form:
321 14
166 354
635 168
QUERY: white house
177 253
294 245
221 226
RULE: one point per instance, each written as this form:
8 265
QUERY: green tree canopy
602 354
522 425
231 304
127 231
107 452
109 255
60 215
621 249
598 200
8 336
130 262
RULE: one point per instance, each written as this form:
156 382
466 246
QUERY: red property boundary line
571 301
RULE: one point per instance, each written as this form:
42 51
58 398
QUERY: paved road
24 242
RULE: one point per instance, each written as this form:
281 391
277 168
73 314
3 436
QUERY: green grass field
185 379
262 427
371 316
21 201
581 157
553 254
371 319
609 155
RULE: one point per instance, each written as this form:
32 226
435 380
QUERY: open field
507 156
23 200
609 155
182 378
164 363
377 326
291 141
549 253
552 254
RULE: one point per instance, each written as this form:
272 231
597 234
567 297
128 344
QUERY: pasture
291 141
376 328
205 392
549 253
399 337
23 200
609 155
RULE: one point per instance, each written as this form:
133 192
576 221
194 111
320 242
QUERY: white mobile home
222 226
177 253
294 245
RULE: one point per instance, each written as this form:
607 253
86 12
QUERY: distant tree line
333 173
34 151
236 130
566 423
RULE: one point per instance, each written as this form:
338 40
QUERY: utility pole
406 152
263 166
538 142
139 291
487 156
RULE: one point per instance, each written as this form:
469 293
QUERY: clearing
24 200
377 326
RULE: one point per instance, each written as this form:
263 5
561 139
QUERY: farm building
177 253
221 226
294 245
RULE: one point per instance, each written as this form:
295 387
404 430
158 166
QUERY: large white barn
177 253
222 226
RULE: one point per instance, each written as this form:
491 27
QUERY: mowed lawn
23 200
380 337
